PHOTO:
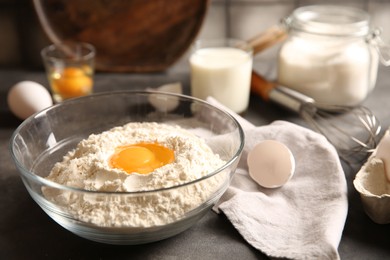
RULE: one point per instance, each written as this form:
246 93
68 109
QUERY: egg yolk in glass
73 82
141 158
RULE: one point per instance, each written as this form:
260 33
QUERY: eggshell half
374 190
271 164
383 153
163 104
372 183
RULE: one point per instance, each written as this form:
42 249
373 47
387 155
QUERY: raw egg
72 82
27 97
142 158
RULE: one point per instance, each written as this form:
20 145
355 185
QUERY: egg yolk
141 158
72 82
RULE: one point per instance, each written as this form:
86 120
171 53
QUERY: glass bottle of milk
330 55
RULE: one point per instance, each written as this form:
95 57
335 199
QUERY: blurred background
22 38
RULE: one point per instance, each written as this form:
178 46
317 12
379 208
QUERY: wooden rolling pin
268 38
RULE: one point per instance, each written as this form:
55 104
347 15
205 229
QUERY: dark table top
26 232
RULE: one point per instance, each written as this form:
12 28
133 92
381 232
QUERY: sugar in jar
330 54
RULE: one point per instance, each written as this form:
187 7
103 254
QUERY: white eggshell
374 189
383 153
271 164
27 97
163 104
372 183
171 88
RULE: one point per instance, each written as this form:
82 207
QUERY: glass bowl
44 138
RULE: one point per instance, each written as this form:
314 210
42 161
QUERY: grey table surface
26 232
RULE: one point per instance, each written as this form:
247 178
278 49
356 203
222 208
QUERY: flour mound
87 167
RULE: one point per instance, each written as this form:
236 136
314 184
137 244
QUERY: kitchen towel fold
304 219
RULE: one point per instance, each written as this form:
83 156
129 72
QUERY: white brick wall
244 19
240 19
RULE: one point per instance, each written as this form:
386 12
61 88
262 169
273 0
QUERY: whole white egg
27 97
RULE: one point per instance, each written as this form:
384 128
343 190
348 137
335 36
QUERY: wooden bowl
129 36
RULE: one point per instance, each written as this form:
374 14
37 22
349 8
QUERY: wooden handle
261 86
271 36
268 38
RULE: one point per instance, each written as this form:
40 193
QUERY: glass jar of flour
331 54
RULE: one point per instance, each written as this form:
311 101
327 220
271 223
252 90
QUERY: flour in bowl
136 157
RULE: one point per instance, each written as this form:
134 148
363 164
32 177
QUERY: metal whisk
353 131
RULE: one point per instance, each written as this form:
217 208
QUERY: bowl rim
30 175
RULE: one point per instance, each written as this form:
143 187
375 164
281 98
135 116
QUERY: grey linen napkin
303 219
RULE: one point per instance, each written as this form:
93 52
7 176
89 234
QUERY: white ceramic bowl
44 138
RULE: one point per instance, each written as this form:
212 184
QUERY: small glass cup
222 68
70 69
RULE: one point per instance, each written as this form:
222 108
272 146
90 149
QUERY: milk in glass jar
330 54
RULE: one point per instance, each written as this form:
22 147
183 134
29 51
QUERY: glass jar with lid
331 54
